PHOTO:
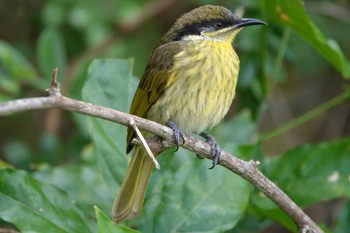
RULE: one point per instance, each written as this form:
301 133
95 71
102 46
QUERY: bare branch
248 170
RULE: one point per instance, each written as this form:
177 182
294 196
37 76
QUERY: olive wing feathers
154 82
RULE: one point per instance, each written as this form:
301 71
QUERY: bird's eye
219 25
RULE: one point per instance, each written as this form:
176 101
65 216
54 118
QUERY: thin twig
144 143
54 89
247 170
307 116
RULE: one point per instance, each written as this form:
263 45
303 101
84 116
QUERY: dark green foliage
63 175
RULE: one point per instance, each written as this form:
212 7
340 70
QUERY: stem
281 52
307 116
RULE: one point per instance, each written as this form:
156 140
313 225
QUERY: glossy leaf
33 206
292 14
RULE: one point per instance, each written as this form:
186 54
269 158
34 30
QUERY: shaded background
69 34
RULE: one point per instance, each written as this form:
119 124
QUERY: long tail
132 192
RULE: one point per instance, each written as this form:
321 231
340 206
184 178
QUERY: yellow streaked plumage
190 80
195 78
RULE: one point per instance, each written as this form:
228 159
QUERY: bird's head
208 23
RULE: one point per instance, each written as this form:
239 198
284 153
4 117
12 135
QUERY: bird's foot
177 133
215 150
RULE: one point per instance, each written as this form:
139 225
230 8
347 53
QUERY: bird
189 84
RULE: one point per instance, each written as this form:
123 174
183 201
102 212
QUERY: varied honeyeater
189 84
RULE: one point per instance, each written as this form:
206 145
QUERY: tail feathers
132 192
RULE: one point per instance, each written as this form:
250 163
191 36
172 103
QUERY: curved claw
177 133
215 150
216 159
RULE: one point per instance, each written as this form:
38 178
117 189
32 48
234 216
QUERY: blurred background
282 77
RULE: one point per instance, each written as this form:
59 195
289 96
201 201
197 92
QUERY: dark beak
243 22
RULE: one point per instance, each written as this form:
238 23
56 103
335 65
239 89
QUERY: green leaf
17 153
307 171
307 174
105 225
184 196
343 223
14 64
54 13
293 15
83 183
14 69
263 206
33 206
241 129
109 84
51 52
